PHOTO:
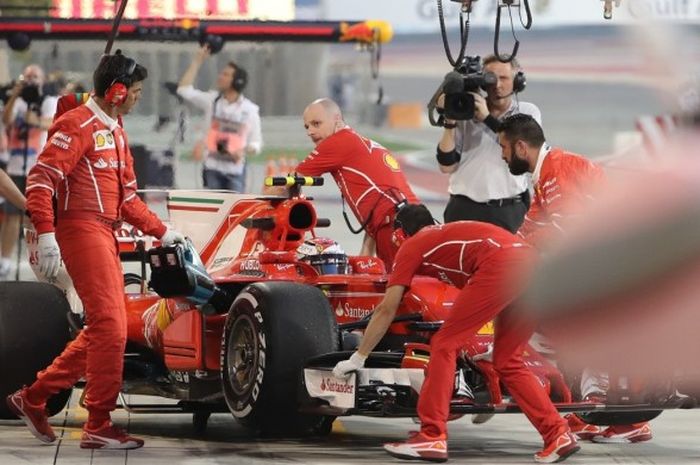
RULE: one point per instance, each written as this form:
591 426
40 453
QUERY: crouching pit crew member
490 266
88 166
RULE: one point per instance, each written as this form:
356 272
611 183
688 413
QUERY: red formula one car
238 322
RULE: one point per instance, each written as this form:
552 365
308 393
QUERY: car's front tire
271 330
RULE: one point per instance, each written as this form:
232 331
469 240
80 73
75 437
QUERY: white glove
49 255
172 237
343 369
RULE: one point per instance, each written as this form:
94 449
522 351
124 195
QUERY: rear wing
202 215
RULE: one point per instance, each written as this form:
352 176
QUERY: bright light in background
281 10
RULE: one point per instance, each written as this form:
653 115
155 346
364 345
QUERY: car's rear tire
33 331
618 418
271 330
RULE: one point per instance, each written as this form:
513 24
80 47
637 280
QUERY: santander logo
349 311
327 384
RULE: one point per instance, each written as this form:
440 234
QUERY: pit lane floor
506 439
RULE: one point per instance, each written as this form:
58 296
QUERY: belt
498 202
89 216
504 202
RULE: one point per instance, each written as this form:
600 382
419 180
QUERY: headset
118 91
240 78
519 82
398 235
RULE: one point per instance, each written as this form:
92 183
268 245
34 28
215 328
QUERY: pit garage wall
284 77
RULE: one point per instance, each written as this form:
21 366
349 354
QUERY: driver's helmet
325 255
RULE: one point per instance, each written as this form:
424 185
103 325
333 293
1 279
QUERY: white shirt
242 111
482 174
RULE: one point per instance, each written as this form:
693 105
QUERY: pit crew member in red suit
563 183
489 265
368 176
87 165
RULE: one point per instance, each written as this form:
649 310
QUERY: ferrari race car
238 322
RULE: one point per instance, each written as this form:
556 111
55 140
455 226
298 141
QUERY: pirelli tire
33 331
271 330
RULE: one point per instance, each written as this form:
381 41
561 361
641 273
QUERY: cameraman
27 116
233 123
481 188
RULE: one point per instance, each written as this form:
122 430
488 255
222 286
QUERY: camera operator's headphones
519 82
240 78
118 90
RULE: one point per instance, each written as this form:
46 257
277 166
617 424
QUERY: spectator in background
233 123
27 116
481 188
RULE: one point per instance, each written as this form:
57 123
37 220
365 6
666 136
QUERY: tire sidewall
291 323
246 307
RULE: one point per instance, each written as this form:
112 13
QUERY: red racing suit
490 266
87 164
370 181
562 187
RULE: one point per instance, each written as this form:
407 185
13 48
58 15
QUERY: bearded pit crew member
563 182
368 176
88 165
489 265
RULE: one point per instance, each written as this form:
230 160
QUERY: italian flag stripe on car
194 204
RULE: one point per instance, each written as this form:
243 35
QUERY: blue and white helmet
324 254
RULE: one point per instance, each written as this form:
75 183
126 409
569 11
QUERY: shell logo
391 162
103 139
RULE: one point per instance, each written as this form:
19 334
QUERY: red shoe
581 429
33 416
624 434
109 437
559 449
419 447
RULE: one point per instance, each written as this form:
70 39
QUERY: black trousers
507 213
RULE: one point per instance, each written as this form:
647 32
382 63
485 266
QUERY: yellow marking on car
487 329
338 427
78 412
